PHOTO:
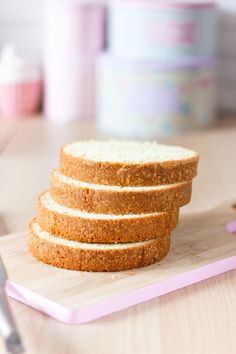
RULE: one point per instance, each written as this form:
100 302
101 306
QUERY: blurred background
136 68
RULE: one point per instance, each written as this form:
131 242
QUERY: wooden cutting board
76 297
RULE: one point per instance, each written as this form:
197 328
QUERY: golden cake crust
127 174
98 260
108 201
112 230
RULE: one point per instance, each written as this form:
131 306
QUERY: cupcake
20 84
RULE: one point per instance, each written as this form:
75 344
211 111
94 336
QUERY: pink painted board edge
231 226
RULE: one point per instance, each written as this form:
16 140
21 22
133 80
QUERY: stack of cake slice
112 205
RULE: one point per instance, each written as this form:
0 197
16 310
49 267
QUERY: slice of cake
128 163
98 198
93 256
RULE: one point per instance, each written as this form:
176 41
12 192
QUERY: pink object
73 36
20 99
168 4
182 33
231 226
120 302
20 83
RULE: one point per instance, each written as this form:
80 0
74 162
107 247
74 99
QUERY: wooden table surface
198 319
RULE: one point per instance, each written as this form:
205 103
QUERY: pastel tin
149 99
162 30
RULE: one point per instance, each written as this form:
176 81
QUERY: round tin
161 30
150 99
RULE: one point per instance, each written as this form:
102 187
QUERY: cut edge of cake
118 200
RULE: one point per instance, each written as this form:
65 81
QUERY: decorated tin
73 36
151 99
161 29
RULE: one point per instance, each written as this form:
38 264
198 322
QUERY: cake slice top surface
131 152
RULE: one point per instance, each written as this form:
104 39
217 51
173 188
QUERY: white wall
21 22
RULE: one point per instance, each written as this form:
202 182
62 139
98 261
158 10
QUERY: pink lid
164 4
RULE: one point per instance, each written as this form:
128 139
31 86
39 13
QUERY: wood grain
198 319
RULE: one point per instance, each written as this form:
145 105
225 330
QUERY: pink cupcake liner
20 99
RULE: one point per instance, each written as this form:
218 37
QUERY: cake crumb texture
120 200
128 163
96 260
